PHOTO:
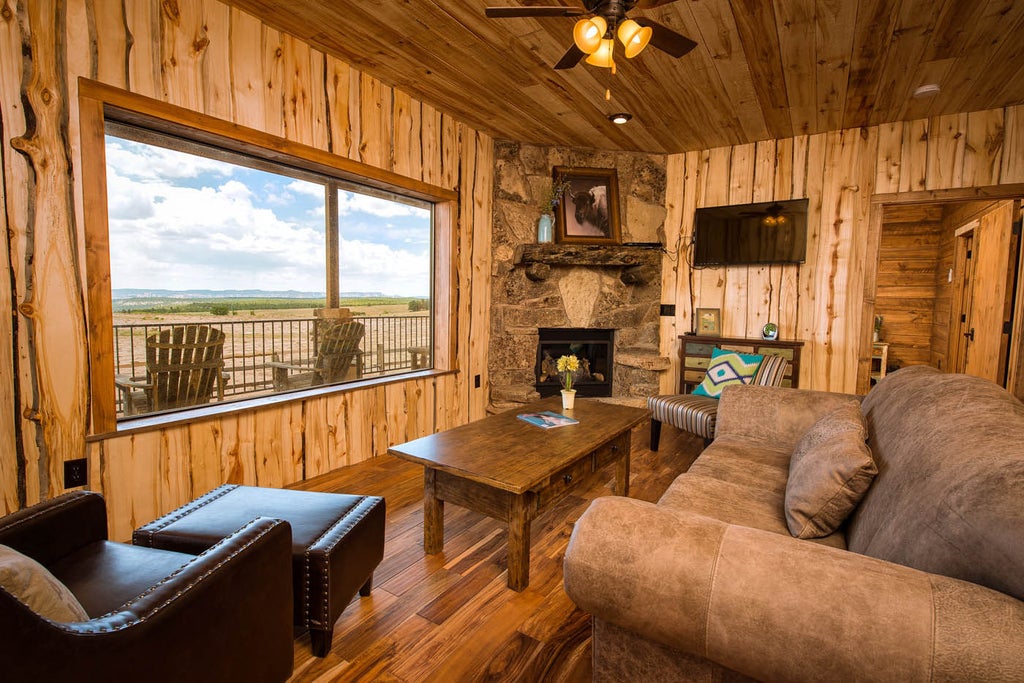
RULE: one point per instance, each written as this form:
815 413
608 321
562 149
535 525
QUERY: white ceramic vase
568 399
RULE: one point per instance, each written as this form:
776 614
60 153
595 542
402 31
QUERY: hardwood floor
450 617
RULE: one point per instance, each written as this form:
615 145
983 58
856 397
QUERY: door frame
874 239
962 301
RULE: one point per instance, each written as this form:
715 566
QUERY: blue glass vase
545 229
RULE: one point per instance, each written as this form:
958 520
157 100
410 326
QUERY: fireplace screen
593 347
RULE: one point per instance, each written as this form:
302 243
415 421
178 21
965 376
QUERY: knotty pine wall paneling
828 300
216 60
906 295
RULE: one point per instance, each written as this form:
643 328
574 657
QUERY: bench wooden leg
367 587
655 433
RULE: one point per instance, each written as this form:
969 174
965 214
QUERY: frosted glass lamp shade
603 55
634 36
588 33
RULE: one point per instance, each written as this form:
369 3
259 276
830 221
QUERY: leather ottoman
337 542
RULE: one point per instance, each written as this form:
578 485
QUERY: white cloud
307 188
350 202
183 222
208 238
366 266
151 163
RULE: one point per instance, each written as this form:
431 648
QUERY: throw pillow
32 584
728 367
829 472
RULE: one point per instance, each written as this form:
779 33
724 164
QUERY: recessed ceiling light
620 118
927 90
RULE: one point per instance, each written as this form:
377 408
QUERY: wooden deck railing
250 344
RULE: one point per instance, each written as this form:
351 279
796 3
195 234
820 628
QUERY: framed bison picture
588 210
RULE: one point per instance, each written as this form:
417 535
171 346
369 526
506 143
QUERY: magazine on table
548 419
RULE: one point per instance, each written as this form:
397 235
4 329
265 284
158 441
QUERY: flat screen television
770 232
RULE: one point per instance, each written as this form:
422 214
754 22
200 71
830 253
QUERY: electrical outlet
76 473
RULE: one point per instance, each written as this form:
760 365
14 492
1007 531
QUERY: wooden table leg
433 514
621 487
519 544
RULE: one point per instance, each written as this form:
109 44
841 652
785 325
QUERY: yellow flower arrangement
567 365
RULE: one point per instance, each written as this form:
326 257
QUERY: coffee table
510 470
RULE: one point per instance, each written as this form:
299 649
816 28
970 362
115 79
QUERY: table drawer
608 453
563 480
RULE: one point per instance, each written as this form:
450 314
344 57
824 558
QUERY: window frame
99 103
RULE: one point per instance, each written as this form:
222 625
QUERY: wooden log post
53 301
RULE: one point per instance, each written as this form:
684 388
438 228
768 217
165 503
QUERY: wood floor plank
451 616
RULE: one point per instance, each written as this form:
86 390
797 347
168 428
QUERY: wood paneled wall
843 173
908 256
210 58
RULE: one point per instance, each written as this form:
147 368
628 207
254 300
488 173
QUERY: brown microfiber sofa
924 582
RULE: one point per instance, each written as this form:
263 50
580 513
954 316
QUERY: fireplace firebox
595 349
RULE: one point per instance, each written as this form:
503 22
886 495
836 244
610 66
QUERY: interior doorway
986 265
942 288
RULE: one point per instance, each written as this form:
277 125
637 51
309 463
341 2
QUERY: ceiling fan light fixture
588 34
634 37
620 118
603 56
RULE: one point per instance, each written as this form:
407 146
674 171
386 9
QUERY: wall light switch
950 274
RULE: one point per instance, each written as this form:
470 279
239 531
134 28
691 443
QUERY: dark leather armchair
155 615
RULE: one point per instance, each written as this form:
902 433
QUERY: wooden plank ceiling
762 69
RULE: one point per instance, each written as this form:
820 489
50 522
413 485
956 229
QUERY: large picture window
234 276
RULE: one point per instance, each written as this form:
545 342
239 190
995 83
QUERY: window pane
221 275
385 275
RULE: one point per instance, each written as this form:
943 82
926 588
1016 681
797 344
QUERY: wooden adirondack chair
184 366
338 356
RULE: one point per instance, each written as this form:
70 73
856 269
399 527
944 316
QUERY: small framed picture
588 209
709 322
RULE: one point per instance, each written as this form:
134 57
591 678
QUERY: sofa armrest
776 608
56 527
226 615
774 415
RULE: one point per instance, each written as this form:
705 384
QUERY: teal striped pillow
728 367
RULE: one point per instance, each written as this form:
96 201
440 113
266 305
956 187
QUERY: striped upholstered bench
697 414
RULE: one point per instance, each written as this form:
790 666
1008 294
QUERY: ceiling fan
594 37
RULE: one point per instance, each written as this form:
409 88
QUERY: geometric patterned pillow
728 367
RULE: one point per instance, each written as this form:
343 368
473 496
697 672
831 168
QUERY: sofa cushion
830 471
947 499
32 584
738 482
728 367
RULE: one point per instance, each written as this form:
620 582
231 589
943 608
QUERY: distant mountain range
120 294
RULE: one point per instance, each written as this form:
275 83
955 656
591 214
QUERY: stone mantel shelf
638 263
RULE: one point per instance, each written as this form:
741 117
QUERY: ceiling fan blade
571 58
509 12
651 4
666 39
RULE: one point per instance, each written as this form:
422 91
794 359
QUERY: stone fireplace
562 287
595 351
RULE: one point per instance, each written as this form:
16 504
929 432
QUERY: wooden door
987 320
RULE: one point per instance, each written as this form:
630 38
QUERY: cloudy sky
179 221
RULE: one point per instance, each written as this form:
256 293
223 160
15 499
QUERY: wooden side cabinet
695 355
